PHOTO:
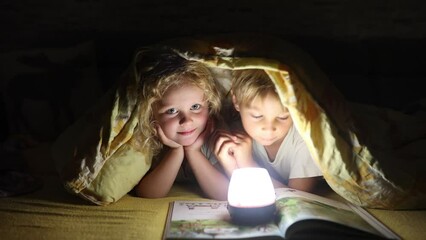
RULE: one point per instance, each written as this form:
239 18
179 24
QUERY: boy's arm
304 174
235 151
307 184
278 184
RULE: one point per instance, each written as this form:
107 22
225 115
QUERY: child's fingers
220 132
218 136
219 144
242 139
223 146
164 139
241 135
224 152
160 133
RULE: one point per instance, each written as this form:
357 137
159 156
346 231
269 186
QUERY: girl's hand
164 139
201 138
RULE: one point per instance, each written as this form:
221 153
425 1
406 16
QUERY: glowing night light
251 196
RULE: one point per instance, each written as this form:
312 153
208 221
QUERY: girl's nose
184 118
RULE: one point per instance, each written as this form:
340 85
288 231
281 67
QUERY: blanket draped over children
373 157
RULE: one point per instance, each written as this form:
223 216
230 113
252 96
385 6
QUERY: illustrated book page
297 213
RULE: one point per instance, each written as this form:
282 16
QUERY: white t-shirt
293 159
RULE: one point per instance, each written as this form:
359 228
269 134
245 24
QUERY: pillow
97 157
360 164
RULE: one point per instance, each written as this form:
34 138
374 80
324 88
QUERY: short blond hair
167 70
251 83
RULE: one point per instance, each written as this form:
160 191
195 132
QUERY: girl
180 106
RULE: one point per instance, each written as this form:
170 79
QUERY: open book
299 215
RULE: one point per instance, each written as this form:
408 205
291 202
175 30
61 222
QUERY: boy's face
182 113
265 119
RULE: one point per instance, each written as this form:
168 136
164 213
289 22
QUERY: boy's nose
269 127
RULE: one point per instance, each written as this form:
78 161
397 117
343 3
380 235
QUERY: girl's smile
186 133
182 113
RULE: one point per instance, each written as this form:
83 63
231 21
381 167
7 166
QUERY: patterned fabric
367 154
98 157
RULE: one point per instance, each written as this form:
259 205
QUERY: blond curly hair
161 71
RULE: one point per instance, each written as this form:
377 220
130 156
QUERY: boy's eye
171 111
283 118
196 106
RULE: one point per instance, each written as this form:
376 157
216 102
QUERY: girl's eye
283 118
196 106
256 116
171 111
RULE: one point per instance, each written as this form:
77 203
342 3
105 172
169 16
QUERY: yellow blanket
372 157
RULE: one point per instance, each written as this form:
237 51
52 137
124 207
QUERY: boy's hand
165 140
224 151
242 150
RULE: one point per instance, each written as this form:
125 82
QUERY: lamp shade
251 196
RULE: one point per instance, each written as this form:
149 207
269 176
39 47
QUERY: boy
269 138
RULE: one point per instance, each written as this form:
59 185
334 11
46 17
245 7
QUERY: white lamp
251 196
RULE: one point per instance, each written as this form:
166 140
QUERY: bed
53 213
91 199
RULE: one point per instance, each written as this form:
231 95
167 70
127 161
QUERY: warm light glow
250 188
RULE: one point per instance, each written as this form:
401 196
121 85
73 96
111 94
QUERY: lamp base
252 215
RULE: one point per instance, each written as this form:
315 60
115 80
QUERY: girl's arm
158 182
213 182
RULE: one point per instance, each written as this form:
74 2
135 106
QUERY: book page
293 206
211 219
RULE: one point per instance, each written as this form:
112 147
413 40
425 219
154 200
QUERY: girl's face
182 113
265 119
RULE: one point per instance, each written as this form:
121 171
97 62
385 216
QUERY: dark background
374 51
